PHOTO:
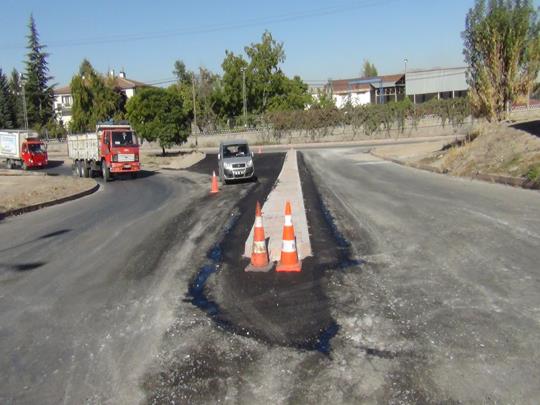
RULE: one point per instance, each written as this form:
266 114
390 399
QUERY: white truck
22 148
113 149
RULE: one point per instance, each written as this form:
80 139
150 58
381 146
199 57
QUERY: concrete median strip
288 188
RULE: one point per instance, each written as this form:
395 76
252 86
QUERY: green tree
158 115
369 69
94 99
263 72
232 84
183 75
39 95
6 103
293 95
502 49
15 90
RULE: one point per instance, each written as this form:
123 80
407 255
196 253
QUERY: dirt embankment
171 160
493 150
23 191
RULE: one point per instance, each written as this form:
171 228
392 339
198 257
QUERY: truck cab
119 148
34 153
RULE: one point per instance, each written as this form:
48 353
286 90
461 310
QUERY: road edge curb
489 178
35 207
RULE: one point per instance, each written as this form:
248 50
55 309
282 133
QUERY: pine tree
39 95
6 107
15 90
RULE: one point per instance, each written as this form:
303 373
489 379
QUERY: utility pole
405 78
25 113
195 112
244 95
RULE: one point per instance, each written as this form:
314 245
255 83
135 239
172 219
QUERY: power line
289 17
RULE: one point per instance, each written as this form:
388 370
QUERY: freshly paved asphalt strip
288 188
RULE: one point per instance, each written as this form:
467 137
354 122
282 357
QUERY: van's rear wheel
105 172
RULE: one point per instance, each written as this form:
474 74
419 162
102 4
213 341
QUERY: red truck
22 148
112 150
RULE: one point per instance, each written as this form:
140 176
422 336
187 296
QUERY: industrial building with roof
419 85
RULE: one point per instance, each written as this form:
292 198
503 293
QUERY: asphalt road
423 289
450 291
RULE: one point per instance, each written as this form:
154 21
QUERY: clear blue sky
323 39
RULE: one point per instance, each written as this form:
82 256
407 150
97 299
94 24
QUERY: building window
66 101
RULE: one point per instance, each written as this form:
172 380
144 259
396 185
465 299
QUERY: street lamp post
25 113
244 95
405 77
194 111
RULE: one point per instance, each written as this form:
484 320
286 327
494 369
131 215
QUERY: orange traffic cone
259 254
289 256
214 188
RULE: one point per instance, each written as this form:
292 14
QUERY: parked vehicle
112 150
22 148
235 161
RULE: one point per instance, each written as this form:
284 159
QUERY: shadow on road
532 127
54 163
46 236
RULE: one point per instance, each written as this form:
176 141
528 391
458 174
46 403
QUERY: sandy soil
172 160
411 152
495 150
25 190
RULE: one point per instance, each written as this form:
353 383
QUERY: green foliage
158 115
502 49
263 73
94 99
371 118
369 69
533 174
293 95
39 95
323 100
232 84
7 113
15 90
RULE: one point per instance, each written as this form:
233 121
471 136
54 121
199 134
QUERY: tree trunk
163 151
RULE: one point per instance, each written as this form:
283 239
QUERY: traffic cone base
293 268
260 269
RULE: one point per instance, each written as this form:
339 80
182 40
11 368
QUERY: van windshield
235 150
124 138
35 148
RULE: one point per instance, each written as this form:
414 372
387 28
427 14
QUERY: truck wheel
80 168
85 171
106 172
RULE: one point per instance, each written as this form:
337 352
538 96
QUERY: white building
356 94
63 100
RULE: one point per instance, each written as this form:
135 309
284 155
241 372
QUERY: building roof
344 86
119 82
62 90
